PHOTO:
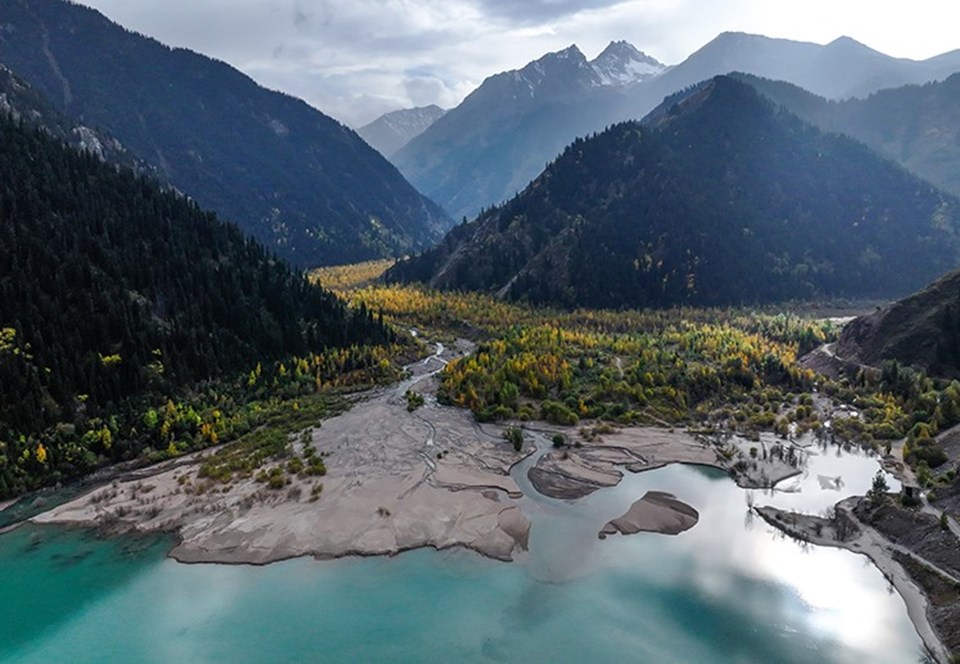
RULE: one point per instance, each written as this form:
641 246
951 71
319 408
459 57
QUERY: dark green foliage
726 200
558 413
514 436
245 455
113 292
926 450
414 400
559 440
878 489
315 467
297 180
274 478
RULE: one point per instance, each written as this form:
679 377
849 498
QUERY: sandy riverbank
845 531
579 470
396 481
385 491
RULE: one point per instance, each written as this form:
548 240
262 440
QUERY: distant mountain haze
720 198
917 126
303 184
504 133
391 131
490 146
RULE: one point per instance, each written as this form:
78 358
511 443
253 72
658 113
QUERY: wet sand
656 512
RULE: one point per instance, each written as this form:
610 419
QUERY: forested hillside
721 198
917 126
22 102
116 296
303 184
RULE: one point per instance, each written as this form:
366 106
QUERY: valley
401 473
682 385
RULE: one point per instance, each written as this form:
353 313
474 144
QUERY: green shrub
926 450
558 413
414 400
514 436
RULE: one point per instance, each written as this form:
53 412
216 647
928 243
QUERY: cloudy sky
355 59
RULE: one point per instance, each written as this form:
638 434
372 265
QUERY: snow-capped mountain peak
621 63
553 64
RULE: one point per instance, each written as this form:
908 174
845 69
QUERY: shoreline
399 481
867 542
457 487
576 471
395 481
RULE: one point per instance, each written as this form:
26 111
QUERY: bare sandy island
656 512
574 472
385 491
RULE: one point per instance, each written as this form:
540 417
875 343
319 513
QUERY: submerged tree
878 491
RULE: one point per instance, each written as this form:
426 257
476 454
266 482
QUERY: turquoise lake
729 590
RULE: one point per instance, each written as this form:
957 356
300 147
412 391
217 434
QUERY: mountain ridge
391 131
687 209
921 330
500 137
299 181
917 126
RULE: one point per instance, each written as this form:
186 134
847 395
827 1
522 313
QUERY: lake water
729 590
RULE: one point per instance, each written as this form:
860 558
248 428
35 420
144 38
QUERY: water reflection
729 590
822 595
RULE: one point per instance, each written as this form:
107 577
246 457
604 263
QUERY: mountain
841 69
22 103
721 198
621 63
503 133
488 148
113 290
392 131
922 330
297 180
915 125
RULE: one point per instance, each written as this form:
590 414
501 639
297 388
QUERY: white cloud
356 59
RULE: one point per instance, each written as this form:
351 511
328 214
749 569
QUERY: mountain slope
915 125
725 200
23 103
303 184
391 131
922 330
112 290
500 137
503 133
